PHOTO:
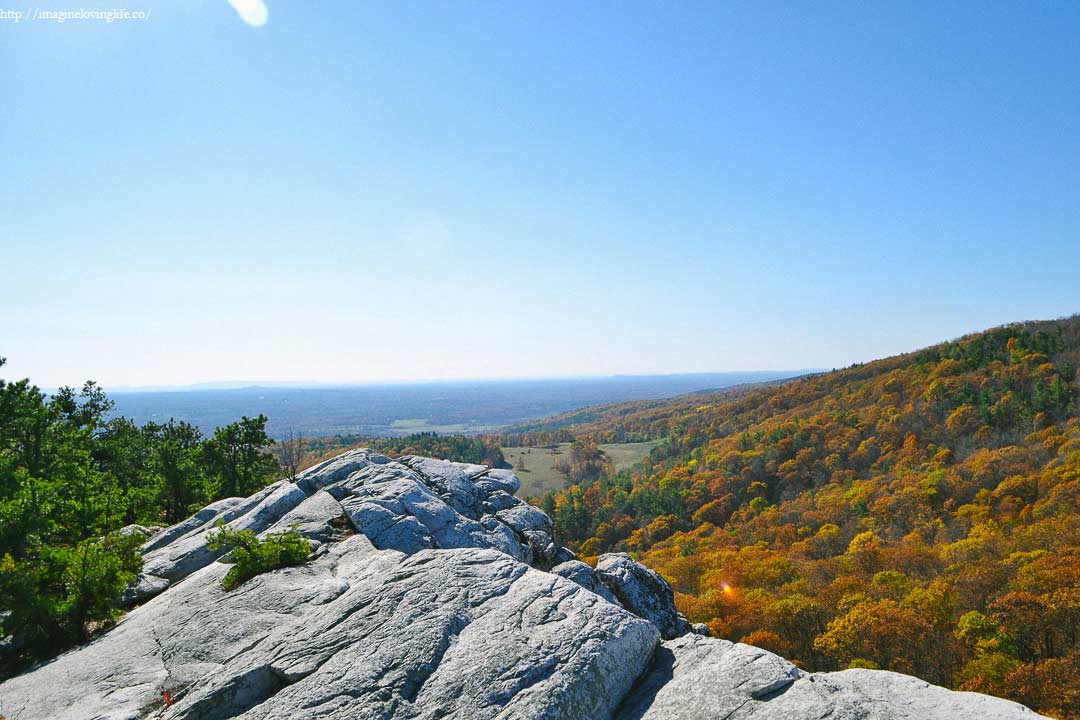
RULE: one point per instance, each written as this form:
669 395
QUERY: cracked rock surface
643 592
432 592
701 677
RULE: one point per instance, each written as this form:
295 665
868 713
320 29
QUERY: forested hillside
918 513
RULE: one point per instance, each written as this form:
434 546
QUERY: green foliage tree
176 460
97 573
236 460
71 477
122 450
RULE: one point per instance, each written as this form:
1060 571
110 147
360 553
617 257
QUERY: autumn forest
916 514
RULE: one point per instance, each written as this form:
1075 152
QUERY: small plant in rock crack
251 556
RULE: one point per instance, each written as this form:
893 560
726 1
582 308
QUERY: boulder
499 500
399 508
504 480
133 529
522 517
642 591
415 503
453 481
144 588
212 512
584 576
336 469
319 517
461 633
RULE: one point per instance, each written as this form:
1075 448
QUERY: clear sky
363 191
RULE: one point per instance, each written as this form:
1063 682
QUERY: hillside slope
430 592
918 513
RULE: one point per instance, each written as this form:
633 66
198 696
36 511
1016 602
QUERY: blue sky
367 191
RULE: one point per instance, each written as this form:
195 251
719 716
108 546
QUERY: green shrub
98 571
251 556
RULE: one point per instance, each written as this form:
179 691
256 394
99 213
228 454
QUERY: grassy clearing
627 455
536 465
536 468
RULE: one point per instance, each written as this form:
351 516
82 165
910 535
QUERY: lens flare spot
253 12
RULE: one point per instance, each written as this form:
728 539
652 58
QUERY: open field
627 455
536 465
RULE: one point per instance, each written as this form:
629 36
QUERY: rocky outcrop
701 677
188 551
643 592
432 592
584 576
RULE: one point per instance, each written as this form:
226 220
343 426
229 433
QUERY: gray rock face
503 480
584 576
217 510
356 633
643 592
426 597
522 518
467 633
415 503
399 509
188 552
701 678
319 517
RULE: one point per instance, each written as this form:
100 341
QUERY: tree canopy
918 513
71 478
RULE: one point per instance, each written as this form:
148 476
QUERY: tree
1028 621
176 461
122 449
235 457
98 571
883 632
586 461
914 489
290 452
799 620
70 478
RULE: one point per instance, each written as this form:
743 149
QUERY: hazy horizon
405 408
311 384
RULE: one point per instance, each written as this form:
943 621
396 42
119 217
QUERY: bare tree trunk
290 453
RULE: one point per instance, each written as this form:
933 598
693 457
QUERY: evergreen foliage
71 476
251 556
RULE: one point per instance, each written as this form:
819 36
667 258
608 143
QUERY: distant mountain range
707 379
388 409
